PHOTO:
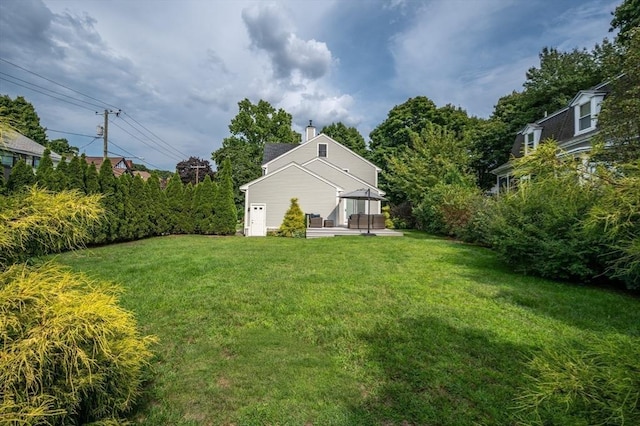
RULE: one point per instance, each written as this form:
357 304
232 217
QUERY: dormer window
531 134
528 141
586 106
584 119
322 150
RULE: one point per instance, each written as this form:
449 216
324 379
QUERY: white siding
276 191
338 155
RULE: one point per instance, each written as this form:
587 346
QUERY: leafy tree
434 155
62 147
204 206
22 116
253 127
45 171
293 224
347 136
226 214
626 18
560 76
21 177
194 168
491 143
619 118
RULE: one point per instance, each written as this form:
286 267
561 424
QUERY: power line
49 90
69 133
164 151
131 155
156 136
56 83
46 94
167 154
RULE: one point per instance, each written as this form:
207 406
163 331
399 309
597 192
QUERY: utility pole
105 131
198 167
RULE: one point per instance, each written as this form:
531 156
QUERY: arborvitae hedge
226 216
21 177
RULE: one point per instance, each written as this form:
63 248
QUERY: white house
572 127
316 172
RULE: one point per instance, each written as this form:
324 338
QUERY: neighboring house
15 146
316 172
120 165
572 127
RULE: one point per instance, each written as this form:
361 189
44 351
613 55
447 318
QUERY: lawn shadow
435 373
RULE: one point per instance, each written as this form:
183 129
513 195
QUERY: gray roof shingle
275 150
15 142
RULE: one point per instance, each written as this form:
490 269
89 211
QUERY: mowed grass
345 330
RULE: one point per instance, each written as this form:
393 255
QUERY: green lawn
348 330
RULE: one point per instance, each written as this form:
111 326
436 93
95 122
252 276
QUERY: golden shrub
68 352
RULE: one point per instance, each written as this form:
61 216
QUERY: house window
584 120
7 159
322 150
528 143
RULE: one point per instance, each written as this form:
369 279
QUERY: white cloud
271 31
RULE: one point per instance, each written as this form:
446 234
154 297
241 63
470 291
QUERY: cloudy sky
177 68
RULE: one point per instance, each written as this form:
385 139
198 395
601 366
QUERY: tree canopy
347 136
253 127
194 170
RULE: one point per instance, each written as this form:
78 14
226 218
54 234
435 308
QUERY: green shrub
68 353
589 386
537 227
293 224
615 221
388 223
447 209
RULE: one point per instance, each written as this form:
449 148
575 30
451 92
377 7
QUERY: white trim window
586 107
322 150
529 142
584 116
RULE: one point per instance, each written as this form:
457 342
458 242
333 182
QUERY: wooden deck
340 231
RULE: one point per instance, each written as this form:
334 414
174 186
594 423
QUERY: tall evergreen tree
108 228
60 177
158 207
124 208
45 171
203 206
92 186
226 214
186 224
175 201
75 175
138 217
21 177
